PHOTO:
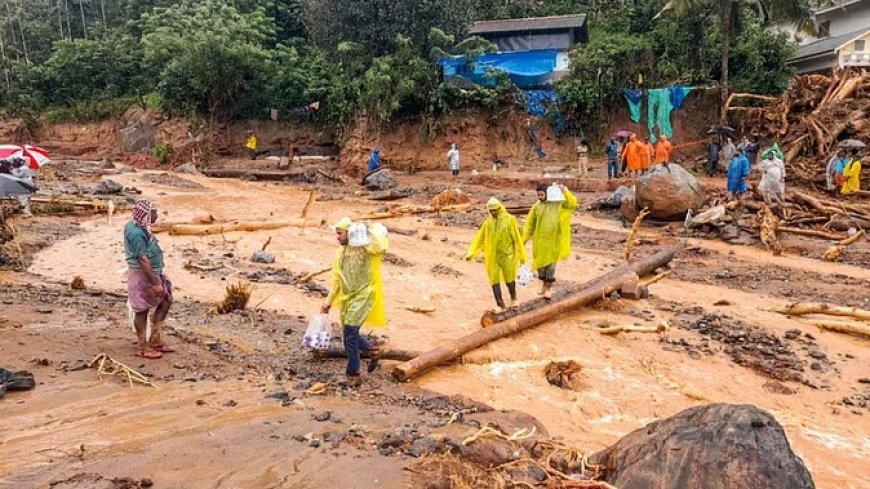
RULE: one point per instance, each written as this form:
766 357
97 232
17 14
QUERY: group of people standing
635 157
843 173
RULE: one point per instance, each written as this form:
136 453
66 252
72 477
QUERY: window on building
860 46
825 29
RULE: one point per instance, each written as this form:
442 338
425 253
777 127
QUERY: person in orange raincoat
634 154
664 148
649 153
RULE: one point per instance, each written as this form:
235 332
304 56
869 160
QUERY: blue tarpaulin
537 101
530 69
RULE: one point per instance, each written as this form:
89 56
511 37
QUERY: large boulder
718 446
380 180
669 192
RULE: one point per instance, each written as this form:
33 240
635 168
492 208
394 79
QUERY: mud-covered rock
380 180
669 192
718 446
107 187
15 381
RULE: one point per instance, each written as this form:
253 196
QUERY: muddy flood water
184 435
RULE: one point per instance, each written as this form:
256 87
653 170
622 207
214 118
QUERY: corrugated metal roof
529 24
839 5
827 45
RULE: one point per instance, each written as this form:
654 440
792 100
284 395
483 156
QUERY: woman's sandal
163 349
149 355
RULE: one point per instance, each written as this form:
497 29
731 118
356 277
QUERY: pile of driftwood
742 222
808 121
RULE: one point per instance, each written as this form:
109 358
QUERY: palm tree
795 12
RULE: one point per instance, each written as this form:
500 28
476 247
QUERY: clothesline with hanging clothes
661 102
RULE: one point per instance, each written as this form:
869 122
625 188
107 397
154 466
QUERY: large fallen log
229 227
812 233
585 294
808 308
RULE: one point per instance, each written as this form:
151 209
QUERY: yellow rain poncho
357 286
501 243
852 176
251 143
549 227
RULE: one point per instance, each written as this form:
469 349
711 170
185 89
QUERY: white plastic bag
358 235
525 276
555 194
318 333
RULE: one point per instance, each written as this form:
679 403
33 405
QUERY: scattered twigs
108 366
488 431
201 267
632 241
421 309
266 244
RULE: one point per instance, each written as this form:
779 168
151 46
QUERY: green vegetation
229 59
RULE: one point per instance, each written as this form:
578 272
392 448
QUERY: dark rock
107 187
613 201
819 355
775 387
793 334
15 381
730 232
231 403
314 443
669 194
718 446
864 380
380 180
334 437
188 169
281 395
323 417
425 446
816 366
260 256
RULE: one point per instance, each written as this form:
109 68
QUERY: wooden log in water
585 294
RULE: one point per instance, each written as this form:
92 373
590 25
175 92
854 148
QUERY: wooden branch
400 355
615 330
631 243
230 227
307 278
856 329
807 308
411 210
304 212
812 232
658 278
586 294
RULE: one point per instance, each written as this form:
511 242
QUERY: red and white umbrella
35 156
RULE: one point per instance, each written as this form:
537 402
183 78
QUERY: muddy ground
230 408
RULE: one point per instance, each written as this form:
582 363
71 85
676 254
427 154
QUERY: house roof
828 45
839 4
529 24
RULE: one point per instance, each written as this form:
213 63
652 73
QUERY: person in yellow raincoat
852 174
503 250
357 288
548 225
251 144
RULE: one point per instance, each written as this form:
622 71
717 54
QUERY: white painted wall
845 20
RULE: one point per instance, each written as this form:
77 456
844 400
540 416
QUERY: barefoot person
147 286
503 250
548 225
357 288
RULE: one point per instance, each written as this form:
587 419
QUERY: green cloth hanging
634 97
659 110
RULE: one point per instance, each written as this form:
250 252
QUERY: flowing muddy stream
627 381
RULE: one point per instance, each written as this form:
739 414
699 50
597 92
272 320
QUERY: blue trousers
353 343
612 169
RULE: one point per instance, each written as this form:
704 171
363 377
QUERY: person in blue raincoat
738 172
612 159
375 160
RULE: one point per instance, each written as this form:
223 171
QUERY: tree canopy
239 58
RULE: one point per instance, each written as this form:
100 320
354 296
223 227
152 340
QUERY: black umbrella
851 144
721 130
11 186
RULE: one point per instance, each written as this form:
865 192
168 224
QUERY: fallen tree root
212 229
807 308
632 242
308 277
399 355
835 252
813 233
